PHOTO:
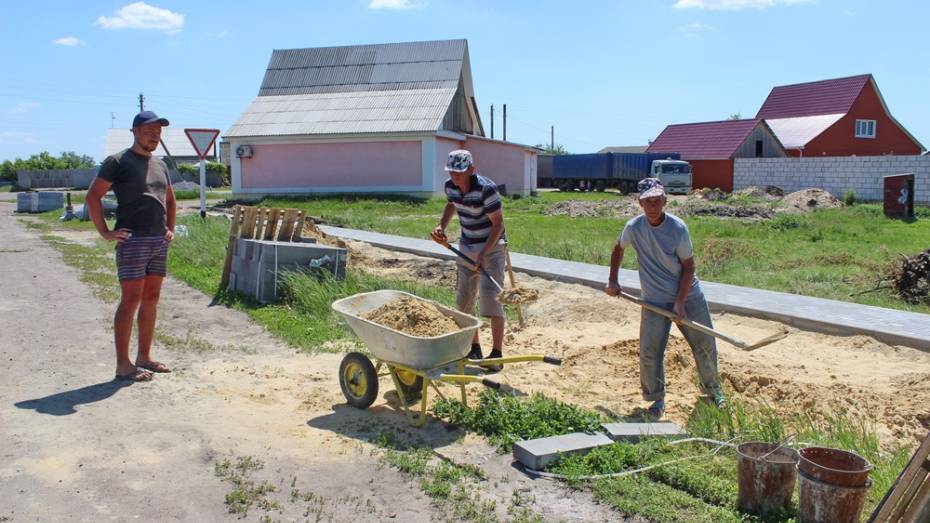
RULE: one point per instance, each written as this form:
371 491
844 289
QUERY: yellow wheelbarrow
415 363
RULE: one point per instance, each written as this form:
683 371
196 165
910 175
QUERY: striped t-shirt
473 208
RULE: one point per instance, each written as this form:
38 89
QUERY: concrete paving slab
635 432
804 312
536 454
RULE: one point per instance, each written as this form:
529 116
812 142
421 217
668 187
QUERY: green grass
507 419
829 253
699 489
245 492
6 187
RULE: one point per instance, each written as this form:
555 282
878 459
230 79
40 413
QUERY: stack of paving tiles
258 265
39 201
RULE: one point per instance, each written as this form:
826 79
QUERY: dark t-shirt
140 183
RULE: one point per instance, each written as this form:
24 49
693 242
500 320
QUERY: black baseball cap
148 117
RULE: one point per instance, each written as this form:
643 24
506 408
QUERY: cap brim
451 170
163 121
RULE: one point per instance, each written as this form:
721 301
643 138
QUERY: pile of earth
185 186
621 207
751 203
413 316
810 199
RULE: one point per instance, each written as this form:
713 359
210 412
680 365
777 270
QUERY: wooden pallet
908 500
261 223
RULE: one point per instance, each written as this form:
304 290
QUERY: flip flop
134 376
154 366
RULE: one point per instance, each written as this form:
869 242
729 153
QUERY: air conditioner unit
244 151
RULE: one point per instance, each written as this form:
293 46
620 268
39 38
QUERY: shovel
705 329
465 257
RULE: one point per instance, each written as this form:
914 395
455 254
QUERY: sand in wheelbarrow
517 295
414 317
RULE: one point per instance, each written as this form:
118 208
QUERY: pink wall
356 164
499 161
502 162
443 147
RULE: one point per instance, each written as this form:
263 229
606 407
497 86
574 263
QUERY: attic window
865 128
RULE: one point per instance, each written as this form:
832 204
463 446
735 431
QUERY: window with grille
865 128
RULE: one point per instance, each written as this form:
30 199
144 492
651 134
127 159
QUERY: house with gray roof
367 119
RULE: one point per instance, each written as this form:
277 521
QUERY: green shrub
850 197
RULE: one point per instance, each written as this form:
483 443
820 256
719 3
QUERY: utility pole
505 122
141 102
492 121
552 138
112 119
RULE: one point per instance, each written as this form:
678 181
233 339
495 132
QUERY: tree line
45 161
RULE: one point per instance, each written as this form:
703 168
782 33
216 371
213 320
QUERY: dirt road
78 446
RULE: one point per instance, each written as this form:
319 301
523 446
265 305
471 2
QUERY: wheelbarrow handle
465 257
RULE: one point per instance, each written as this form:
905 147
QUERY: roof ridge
465 40
824 80
742 120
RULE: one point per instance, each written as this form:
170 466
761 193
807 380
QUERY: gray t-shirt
659 251
140 184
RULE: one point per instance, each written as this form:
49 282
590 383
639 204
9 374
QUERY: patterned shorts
140 256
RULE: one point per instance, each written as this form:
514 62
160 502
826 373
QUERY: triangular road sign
202 140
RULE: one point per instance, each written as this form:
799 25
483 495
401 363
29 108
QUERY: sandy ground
597 336
79 447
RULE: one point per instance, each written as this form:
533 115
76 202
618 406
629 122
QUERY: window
865 128
758 148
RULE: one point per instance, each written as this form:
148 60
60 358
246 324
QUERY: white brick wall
834 174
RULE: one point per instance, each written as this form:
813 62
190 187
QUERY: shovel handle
686 322
465 257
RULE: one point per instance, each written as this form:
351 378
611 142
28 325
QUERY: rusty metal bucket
767 473
835 466
820 502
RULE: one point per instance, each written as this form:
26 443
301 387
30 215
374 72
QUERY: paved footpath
830 316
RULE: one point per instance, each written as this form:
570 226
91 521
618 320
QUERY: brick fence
834 174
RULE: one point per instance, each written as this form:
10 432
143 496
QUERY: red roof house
837 117
711 146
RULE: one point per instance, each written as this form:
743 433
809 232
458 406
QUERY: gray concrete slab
538 453
804 312
634 432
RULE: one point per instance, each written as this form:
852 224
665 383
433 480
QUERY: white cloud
695 28
140 15
222 34
17 137
847 12
25 107
395 4
69 41
734 5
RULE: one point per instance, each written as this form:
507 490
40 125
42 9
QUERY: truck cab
675 175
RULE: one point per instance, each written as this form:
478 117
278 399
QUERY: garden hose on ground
720 445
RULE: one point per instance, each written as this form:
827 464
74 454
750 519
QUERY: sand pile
810 199
414 317
516 295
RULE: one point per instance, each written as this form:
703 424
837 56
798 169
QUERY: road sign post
202 140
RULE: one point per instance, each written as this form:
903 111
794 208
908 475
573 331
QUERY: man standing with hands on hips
144 228
478 204
666 275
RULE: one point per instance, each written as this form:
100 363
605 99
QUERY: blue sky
603 73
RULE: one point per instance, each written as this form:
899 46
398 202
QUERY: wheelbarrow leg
462 385
400 396
423 394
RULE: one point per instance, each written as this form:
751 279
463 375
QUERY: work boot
475 353
719 400
494 368
656 410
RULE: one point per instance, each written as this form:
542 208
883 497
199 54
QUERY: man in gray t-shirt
666 276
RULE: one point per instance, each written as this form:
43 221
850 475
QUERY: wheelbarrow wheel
411 385
358 379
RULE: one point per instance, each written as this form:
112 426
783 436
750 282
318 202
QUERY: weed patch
507 419
245 492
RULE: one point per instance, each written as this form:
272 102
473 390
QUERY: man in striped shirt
476 201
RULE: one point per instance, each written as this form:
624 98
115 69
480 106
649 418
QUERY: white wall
834 174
